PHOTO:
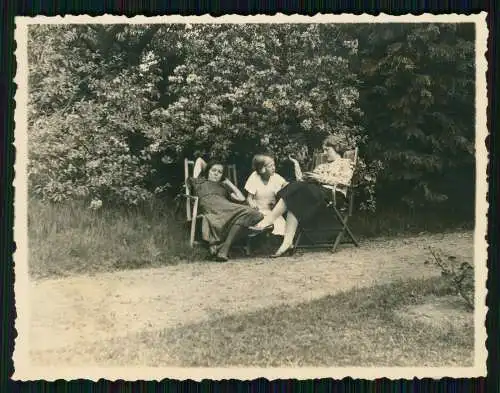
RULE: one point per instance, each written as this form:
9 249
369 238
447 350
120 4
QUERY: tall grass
70 238
398 221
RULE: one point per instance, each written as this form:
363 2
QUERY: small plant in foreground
459 274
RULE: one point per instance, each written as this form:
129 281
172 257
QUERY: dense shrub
115 108
418 99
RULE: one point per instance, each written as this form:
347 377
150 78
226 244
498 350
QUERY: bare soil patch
441 312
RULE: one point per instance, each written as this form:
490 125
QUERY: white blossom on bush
95 204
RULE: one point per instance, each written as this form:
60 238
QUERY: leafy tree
111 105
244 89
92 89
418 99
114 109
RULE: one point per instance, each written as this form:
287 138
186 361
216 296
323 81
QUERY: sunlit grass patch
71 238
364 327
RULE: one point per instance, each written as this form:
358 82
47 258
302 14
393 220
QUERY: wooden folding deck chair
340 214
193 216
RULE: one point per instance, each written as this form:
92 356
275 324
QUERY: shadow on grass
357 328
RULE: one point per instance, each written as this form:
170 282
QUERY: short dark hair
209 166
337 142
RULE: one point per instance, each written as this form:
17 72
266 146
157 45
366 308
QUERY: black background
10 8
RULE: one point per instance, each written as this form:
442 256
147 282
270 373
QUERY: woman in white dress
263 186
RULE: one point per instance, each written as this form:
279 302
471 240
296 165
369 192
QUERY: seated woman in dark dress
302 199
224 219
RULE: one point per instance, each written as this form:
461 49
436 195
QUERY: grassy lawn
360 327
69 238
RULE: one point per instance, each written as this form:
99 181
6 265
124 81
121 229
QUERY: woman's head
333 146
214 171
264 165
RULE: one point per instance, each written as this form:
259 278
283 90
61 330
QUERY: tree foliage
92 91
418 99
262 87
113 106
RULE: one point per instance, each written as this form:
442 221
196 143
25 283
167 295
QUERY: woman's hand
199 166
236 194
295 162
311 176
251 202
253 205
297 170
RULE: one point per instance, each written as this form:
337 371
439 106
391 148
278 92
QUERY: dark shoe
248 250
214 249
287 252
221 258
269 228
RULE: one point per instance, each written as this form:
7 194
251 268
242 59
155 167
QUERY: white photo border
25 371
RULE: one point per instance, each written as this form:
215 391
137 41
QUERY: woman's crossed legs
291 225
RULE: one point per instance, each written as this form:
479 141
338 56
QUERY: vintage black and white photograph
251 193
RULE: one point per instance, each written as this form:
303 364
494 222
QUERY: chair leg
248 247
337 240
193 232
351 236
344 229
297 239
194 218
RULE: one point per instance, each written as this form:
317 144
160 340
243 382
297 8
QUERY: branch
106 37
147 37
467 299
143 42
437 259
111 37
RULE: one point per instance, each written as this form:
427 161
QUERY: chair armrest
186 196
329 187
191 205
333 189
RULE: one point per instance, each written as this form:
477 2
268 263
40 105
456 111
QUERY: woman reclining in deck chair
302 199
224 220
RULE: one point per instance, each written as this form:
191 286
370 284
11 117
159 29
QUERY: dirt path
85 309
